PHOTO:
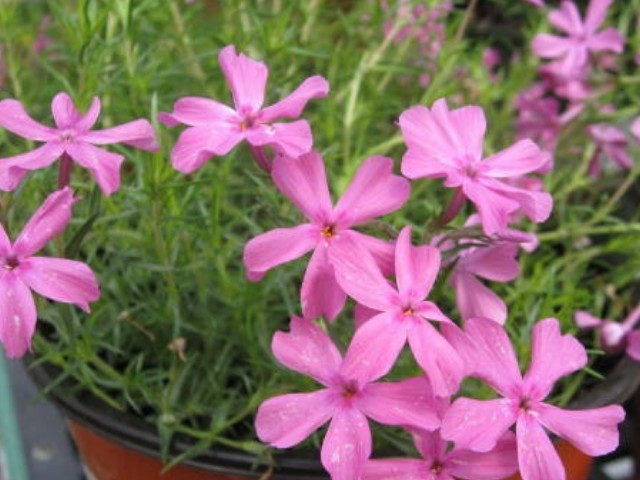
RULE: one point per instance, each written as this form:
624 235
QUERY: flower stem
64 174
261 157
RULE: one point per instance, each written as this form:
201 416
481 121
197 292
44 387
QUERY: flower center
349 390
67 135
11 262
329 231
437 467
525 405
408 311
471 171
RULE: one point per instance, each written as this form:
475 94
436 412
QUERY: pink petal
398 469
287 420
441 363
17 315
13 169
553 356
471 125
416 268
522 157
567 18
46 223
546 45
61 280
537 457
347 445
478 425
196 145
635 129
383 251
198 111
88 120
303 180
5 242
593 431
64 111
430 311
431 445
138 133
586 320
497 464
294 103
321 294
104 166
474 299
363 314
374 191
633 345
307 349
596 13
494 360
415 164
408 403
497 262
14 118
494 209
247 79
279 246
609 40
294 139
374 349
536 206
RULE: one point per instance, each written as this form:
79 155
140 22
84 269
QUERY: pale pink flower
449 144
215 129
477 425
349 398
58 279
375 191
611 143
582 37
403 311
491 59
71 138
572 85
635 129
615 336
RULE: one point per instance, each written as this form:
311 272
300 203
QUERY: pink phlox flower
635 129
71 136
374 191
349 398
441 462
491 59
611 142
449 144
615 337
42 41
215 129
478 424
582 37
58 279
404 312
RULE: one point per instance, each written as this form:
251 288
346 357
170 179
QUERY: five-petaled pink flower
375 191
612 143
58 279
403 310
348 399
478 424
615 336
215 129
582 38
449 144
72 137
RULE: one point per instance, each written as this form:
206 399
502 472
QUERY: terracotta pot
576 463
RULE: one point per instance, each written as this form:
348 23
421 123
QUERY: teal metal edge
10 437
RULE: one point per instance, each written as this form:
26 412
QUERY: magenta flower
71 139
612 143
348 399
582 37
439 462
448 144
374 192
58 279
478 424
404 310
615 336
215 129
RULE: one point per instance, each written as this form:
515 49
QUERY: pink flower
374 192
491 59
71 137
582 36
58 279
572 85
612 143
439 462
215 129
448 144
349 398
478 424
635 129
615 336
404 309
537 3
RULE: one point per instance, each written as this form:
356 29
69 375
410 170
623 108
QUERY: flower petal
383 251
398 469
596 13
198 111
416 268
553 356
609 40
536 206
13 169
537 457
522 157
307 349
104 166
64 111
474 299
292 105
46 223
586 320
247 79
17 315
347 445
499 463
279 246
287 420
321 294
633 345
545 45
14 118
497 262
293 139
374 191
196 145
478 425
5 242
494 208
567 18
62 280
138 133
593 431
